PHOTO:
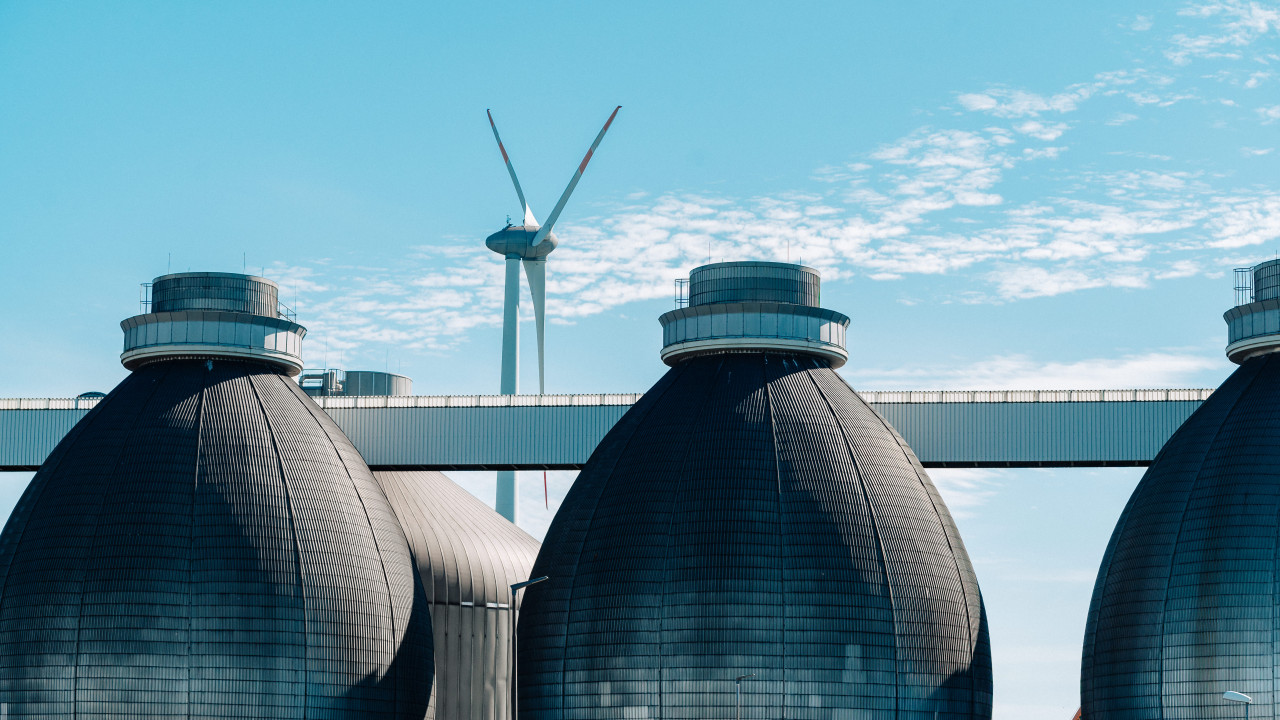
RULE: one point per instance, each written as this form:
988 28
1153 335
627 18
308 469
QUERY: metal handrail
1028 396
875 397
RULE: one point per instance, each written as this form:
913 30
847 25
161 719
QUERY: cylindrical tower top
215 291
1266 280
729 282
208 315
754 307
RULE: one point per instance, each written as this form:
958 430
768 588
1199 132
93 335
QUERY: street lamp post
1233 696
737 694
515 589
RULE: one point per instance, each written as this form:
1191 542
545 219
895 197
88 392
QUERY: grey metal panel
1037 434
946 429
477 438
28 436
467 557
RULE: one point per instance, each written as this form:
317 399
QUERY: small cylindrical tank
372 382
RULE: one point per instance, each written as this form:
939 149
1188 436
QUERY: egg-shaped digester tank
1186 605
751 524
206 542
467 557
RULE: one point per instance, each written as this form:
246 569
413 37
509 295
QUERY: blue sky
1000 195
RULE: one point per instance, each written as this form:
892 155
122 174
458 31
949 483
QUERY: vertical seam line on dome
968 625
1182 517
666 558
782 533
311 408
191 534
75 680
297 553
71 437
875 529
586 533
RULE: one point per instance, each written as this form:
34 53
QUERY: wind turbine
526 244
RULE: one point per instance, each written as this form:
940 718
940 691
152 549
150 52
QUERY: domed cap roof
1184 605
467 557
206 542
751 514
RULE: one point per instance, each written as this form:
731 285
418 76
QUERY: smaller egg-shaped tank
467 557
207 543
752 537
1186 606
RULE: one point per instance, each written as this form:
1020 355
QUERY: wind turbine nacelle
518 240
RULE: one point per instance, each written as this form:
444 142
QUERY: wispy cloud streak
947 198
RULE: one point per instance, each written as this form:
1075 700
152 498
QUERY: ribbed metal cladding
752 281
207 543
1185 604
1266 280
751 514
230 292
467 557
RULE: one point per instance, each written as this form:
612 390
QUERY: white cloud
1020 372
978 101
938 200
1041 131
964 490
1238 25
1015 103
1179 269
1255 152
1030 282
1141 23
1243 221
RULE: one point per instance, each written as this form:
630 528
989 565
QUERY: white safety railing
75 403
474 401
875 397
879 397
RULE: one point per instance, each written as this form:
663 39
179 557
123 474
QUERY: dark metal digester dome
467 556
1186 606
207 542
752 522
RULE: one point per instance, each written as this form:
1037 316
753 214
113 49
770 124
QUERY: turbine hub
517 240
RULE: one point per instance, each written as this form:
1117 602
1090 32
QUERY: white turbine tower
529 244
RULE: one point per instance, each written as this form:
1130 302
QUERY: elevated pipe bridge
946 429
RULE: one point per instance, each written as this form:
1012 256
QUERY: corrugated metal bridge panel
1007 428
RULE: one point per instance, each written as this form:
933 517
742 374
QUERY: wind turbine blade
582 166
528 212
536 271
